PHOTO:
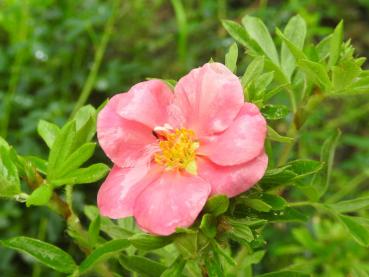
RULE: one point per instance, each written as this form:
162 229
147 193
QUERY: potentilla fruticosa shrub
200 177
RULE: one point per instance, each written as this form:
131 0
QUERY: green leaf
274 112
239 231
259 32
149 242
274 136
208 225
103 252
222 252
257 204
286 273
176 269
142 265
241 36
357 231
231 58
351 205
85 125
40 196
94 230
335 44
217 205
213 265
186 243
9 179
86 175
275 201
321 181
40 164
253 258
48 131
43 252
286 215
61 148
304 167
254 70
295 50
277 176
76 159
316 72
295 32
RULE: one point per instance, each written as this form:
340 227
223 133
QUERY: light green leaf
304 167
61 148
48 131
257 204
231 58
286 273
274 112
240 231
142 265
295 32
274 136
76 159
40 196
317 72
275 201
176 269
351 205
94 230
254 69
103 252
9 179
357 231
43 252
149 242
253 258
217 205
259 32
86 175
208 225
335 44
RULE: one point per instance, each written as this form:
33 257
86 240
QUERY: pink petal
232 180
241 142
146 102
209 98
174 200
117 195
125 142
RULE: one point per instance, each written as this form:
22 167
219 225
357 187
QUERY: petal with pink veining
232 180
174 200
209 98
241 142
117 195
147 102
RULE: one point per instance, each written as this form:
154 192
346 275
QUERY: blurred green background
52 52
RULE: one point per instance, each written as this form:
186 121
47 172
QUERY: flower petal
209 98
241 142
117 195
232 180
147 102
125 142
174 200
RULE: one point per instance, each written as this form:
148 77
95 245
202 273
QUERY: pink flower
171 151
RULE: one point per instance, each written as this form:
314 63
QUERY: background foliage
56 54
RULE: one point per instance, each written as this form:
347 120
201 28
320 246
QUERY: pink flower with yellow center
171 151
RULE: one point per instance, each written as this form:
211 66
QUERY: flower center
178 149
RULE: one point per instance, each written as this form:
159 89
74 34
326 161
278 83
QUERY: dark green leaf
208 225
305 167
149 242
286 273
94 230
142 265
240 231
43 252
257 204
213 265
253 258
275 201
316 72
104 251
274 112
217 205
176 269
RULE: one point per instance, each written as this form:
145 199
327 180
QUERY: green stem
92 76
182 29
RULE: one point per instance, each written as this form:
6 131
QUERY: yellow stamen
178 150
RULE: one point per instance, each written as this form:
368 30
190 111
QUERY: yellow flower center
178 149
